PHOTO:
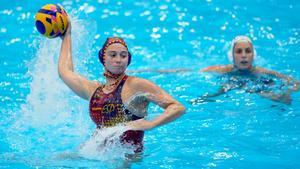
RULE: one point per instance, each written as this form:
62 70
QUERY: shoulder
261 70
218 69
140 84
137 82
271 72
265 71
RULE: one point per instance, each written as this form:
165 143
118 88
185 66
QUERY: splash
138 98
53 118
105 145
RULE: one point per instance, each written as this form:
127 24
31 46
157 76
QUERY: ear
129 58
101 56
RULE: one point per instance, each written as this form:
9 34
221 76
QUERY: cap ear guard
101 56
129 58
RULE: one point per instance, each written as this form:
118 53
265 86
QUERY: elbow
295 86
64 69
181 110
175 110
60 73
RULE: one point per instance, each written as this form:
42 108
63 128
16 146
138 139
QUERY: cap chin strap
108 74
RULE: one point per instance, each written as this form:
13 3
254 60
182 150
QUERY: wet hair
240 38
109 41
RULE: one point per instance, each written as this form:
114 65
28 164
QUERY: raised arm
172 108
80 85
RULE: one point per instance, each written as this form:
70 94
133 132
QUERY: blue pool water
44 125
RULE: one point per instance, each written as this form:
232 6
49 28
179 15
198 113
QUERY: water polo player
242 74
122 98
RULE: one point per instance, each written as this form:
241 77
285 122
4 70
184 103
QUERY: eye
124 54
238 51
248 50
112 54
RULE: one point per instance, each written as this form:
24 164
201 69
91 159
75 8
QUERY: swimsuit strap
118 97
120 86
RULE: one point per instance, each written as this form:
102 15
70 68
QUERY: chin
244 67
117 72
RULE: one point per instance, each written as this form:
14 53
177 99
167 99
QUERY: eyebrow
113 51
116 52
243 48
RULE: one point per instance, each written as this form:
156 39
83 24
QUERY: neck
110 75
112 79
248 70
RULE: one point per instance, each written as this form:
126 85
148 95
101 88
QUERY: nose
244 54
118 59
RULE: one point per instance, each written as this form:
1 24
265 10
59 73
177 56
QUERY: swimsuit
248 81
108 110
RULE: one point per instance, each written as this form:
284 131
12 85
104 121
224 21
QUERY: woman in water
242 74
122 99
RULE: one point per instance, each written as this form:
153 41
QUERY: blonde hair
240 38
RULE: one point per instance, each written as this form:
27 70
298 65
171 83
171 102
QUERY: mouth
244 62
117 67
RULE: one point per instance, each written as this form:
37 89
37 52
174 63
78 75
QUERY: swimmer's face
243 55
116 58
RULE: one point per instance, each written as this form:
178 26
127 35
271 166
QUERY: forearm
289 80
206 96
65 62
268 95
221 91
171 113
283 97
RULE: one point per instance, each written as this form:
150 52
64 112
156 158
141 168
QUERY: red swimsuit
108 110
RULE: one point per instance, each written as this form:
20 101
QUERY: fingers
68 30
